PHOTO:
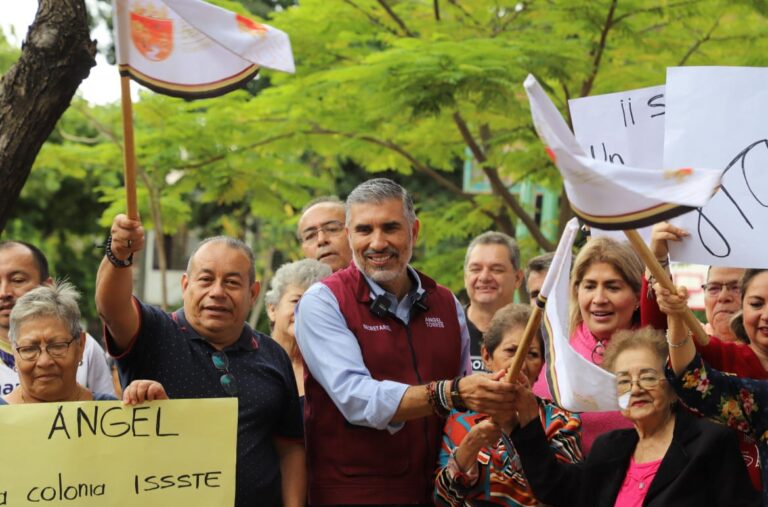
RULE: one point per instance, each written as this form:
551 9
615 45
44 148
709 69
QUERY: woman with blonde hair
606 284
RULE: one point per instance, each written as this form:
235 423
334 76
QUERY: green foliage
8 54
374 93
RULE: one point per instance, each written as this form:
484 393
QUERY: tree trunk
55 58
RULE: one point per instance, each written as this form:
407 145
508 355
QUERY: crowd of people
378 387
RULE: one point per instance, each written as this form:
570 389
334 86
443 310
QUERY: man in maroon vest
384 347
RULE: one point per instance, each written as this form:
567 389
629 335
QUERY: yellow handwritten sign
178 452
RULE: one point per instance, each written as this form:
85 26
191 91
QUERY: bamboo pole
531 328
661 276
129 154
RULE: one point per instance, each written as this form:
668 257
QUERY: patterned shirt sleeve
734 401
563 430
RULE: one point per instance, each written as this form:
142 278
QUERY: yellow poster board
101 453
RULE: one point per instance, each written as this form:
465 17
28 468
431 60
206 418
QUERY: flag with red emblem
613 196
192 49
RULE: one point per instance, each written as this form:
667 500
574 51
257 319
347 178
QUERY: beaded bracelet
434 400
458 403
118 263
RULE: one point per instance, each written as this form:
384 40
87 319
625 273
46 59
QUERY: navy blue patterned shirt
167 349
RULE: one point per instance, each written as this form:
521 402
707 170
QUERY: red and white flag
192 49
613 196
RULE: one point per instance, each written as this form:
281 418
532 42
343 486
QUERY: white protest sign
624 128
715 117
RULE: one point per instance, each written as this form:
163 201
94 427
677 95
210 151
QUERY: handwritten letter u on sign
715 118
178 452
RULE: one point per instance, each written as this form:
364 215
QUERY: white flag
575 383
613 196
192 49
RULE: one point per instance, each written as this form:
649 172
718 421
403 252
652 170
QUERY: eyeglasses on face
715 288
331 228
54 349
227 380
646 381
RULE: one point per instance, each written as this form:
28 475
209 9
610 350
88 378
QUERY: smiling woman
606 280
660 462
48 343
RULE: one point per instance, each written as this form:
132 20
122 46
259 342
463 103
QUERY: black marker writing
740 159
613 158
656 101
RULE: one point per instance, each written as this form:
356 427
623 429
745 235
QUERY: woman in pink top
669 458
606 281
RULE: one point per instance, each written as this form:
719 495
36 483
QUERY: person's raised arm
114 282
661 234
681 347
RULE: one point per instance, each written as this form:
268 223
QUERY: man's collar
246 341
377 290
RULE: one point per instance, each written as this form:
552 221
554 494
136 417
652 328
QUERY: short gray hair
378 190
301 273
495 238
58 300
232 243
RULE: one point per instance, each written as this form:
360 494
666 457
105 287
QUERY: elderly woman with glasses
669 457
48 344
290 282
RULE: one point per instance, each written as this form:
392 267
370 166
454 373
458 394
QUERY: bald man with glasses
321 231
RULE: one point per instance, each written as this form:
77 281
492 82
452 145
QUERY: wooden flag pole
531 328
129 154
661 276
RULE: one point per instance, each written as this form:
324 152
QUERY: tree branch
436 8
466 13
586 87
503 27
497 185
396 18
698 43
92 141
373 19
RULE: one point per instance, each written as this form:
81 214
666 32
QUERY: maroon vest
351 464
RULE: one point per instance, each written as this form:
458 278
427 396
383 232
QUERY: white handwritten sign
178 452
716 118
623 128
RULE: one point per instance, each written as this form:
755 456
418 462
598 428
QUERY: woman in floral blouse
476 467
740 403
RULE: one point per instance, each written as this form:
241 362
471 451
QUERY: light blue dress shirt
335 360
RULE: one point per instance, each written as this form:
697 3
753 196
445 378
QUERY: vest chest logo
377 327
434 322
